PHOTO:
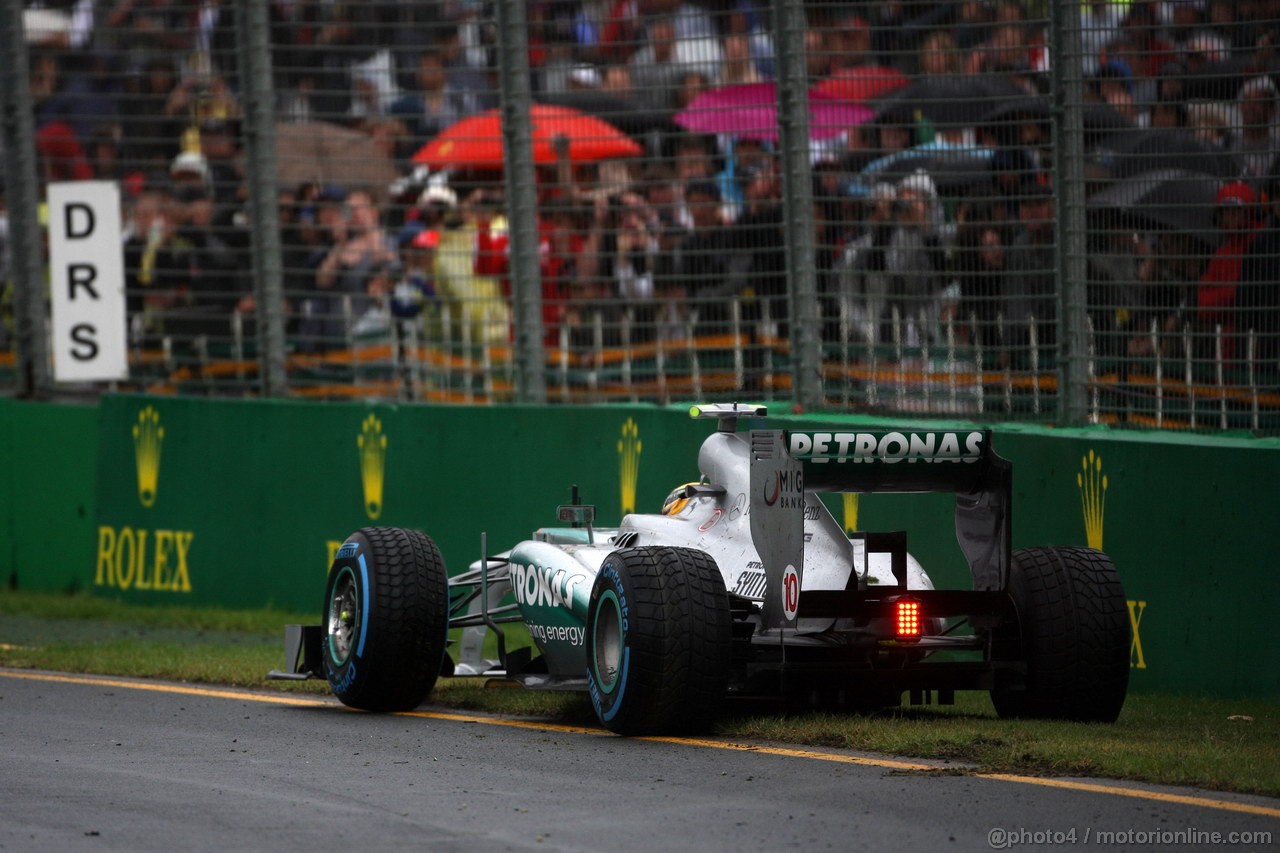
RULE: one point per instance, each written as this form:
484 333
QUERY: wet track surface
101 764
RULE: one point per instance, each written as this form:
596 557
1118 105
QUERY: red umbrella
476 142
862 83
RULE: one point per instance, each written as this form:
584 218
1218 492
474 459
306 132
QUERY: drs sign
87 282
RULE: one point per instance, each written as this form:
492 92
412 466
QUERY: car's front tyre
386 617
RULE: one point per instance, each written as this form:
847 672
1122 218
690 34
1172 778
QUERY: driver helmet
677 500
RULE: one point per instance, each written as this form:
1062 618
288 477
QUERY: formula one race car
744 584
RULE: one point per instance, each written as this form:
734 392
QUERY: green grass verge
1227 745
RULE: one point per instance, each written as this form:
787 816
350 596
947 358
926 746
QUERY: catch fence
1044 211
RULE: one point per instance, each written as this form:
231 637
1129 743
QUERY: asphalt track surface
107 764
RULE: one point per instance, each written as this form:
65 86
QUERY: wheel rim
344 616
607 641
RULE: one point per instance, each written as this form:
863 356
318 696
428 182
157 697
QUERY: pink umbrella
750 111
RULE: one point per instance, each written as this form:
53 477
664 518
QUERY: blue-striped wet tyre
386 619
659 641
1073 631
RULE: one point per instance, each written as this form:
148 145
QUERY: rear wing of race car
787 463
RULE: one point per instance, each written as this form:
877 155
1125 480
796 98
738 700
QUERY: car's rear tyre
386 618
1073 630
659 641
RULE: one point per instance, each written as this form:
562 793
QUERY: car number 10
790 592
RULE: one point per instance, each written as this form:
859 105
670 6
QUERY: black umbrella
959 100
1164 199
1099 119
1129 153
1219 81
623 113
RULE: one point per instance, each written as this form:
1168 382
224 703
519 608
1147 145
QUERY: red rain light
907 619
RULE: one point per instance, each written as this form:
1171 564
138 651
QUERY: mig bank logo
629 447
373 464
148 438
1093 497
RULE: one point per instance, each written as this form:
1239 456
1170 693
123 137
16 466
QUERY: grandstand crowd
686 238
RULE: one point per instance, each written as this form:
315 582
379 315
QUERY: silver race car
744 584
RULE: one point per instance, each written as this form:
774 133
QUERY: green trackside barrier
241 503
48 456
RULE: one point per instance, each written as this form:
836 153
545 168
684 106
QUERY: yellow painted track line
95 681
787 752
1117 791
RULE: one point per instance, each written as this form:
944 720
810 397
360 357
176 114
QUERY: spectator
739 67
220 145
1256 145
146 30
1169 115
345 35
615 269
415 293
759 230
152 137
691 84
817 53
1236 215
475 301
436 104
980 267
1167 279
560 245
200 98
1114 87
1099 26
1209 123
702 276
746 160
973 23
106 159
360 246
861 273
849 44
471 79
215 284
157 263
913 262
1013 48
60 154
1115 261
664 59
1030 291
939 56
373 323
322 225
53 100
1258 296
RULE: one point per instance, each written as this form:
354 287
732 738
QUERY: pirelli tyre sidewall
385 619
658 641
609 639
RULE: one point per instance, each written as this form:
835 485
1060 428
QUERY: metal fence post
23 201
1069 243
797 202
521 200
254 49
